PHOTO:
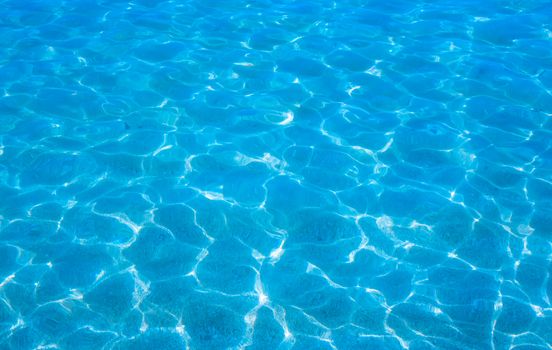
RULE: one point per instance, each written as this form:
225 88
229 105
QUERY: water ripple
275 174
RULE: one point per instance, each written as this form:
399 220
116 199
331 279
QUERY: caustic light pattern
276 174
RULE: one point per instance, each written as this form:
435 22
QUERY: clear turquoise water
275 174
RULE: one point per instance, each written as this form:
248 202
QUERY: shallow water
275 174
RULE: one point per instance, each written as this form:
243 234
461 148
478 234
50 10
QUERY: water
275 174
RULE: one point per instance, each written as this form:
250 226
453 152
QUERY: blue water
276 174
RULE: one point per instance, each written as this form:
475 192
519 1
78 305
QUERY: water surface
275 174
